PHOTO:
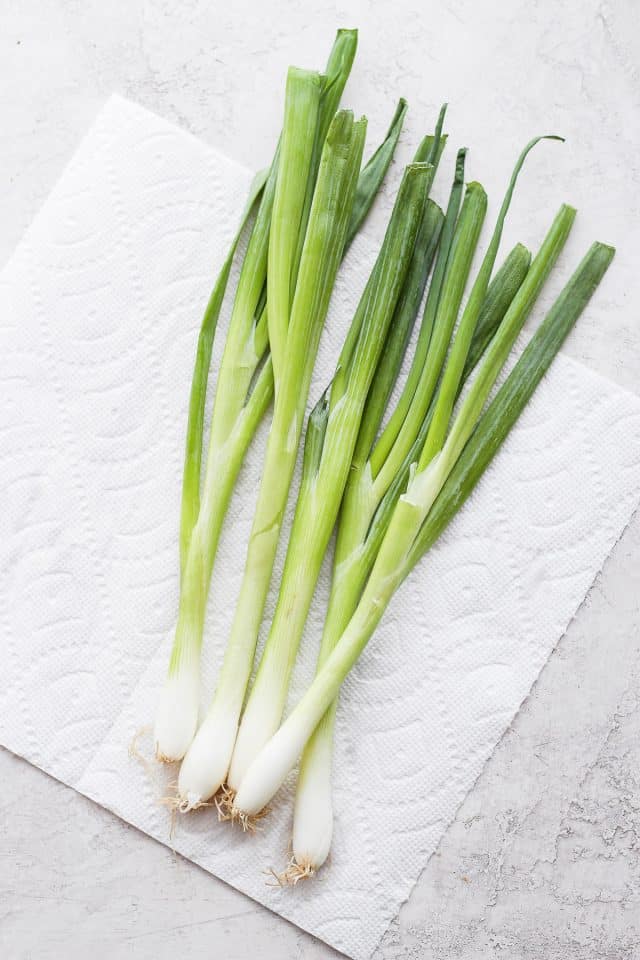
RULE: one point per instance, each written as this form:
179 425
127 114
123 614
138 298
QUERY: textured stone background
543 859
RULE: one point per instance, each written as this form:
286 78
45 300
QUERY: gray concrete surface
543 859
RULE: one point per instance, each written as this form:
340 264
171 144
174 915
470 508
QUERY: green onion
243 393
410 531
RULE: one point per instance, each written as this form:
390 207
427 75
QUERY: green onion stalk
243 392
436 491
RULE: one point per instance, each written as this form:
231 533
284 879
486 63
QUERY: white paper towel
100 307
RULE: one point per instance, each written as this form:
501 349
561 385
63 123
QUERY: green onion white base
177 713
204 768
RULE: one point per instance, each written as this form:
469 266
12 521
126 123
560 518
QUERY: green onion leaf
195 424
302 104
512 397
207 759
400 329
457 358
432 343
374 172
463 246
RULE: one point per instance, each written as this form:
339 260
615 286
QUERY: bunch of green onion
310 204
406 523
387 480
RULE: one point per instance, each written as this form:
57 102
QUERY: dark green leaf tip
321 407
440 120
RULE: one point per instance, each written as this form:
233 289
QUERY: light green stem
190 505
302 104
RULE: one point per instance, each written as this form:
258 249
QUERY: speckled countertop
543 859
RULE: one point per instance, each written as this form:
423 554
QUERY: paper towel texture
100 307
